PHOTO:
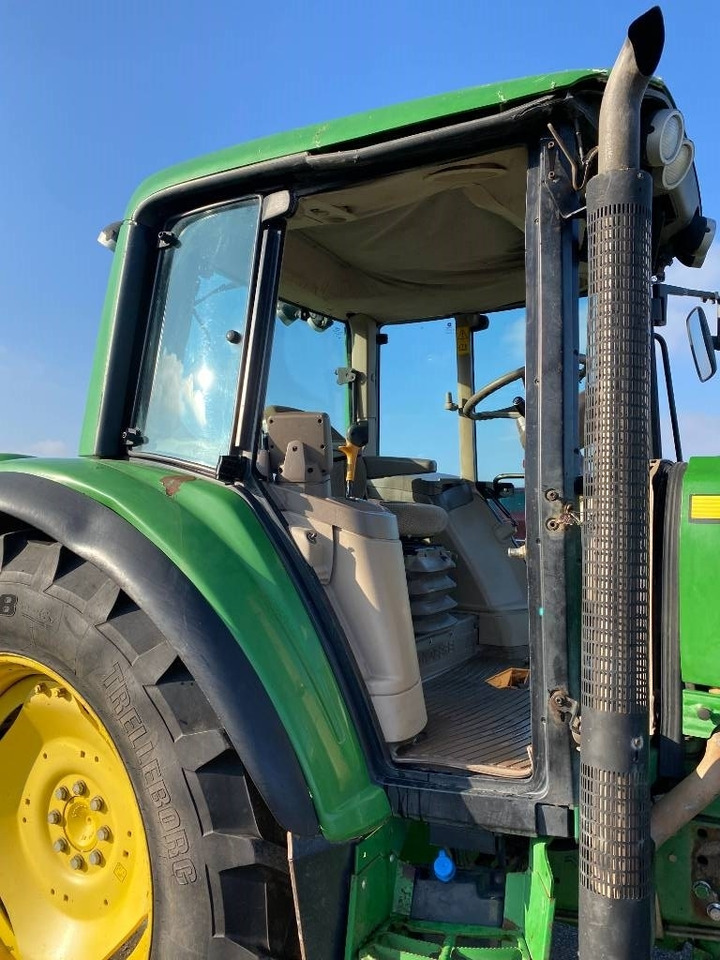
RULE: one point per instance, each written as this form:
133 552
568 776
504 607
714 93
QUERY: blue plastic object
444 867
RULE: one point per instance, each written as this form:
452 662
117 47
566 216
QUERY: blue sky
94 96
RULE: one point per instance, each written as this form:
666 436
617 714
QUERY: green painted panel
374 883
529 901
210 533
373 123
699 573
701 713
415 940
99 371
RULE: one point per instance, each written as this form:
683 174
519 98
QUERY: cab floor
473 725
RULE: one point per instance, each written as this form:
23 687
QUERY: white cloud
49 448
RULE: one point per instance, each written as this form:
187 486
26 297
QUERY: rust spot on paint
173 483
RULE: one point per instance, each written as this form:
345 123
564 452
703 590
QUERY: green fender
212 535
698 572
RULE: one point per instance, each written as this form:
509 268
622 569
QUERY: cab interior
399 299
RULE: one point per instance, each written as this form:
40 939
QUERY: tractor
377 617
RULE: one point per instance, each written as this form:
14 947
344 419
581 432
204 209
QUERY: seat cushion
417 519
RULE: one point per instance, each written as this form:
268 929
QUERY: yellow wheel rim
74 867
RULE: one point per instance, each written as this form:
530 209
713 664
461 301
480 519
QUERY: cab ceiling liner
433 241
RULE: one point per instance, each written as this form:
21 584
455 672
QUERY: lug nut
713 911
95 858
54 816
61 793
96 804
60 845
104 833
78 788
77 863
39 688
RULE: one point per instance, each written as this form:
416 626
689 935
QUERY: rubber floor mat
472 725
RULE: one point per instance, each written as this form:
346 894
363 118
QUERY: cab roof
373 124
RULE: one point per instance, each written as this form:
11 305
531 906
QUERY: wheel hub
75 861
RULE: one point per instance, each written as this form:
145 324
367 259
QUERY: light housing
665 137
675 172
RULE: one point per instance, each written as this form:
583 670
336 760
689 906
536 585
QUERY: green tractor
373 621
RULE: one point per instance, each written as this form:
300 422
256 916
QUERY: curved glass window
191 369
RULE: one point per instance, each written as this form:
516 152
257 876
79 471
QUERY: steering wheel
512 412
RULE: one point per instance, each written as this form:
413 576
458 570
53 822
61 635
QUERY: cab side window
193 354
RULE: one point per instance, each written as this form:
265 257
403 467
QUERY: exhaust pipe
616 901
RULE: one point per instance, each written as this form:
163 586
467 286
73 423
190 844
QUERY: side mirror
701 344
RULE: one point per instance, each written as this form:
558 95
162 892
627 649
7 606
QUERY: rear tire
218 881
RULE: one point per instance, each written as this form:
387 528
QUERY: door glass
500 350
417 371
307 351
191 370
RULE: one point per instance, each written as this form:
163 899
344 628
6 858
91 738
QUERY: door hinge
132 437
565 712
567 516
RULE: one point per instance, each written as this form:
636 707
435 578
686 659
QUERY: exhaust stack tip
647 37
619 127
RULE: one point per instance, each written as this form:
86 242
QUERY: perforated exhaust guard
616 900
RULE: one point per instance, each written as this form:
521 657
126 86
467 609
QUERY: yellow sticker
462 340
705 507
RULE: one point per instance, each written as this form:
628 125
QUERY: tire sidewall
49 631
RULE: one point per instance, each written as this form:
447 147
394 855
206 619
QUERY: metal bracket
566 518
558 183
565 712
166 239
132 437
347 375
230 469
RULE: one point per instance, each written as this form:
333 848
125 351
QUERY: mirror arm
716 339
667 289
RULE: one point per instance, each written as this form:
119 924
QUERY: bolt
60 845
363 884
552 524
703 713
78 788
96 804
40 688
637 743
104 833
61 793
703 891
54 816
62 693
552 495
95 858
713 911
77 862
